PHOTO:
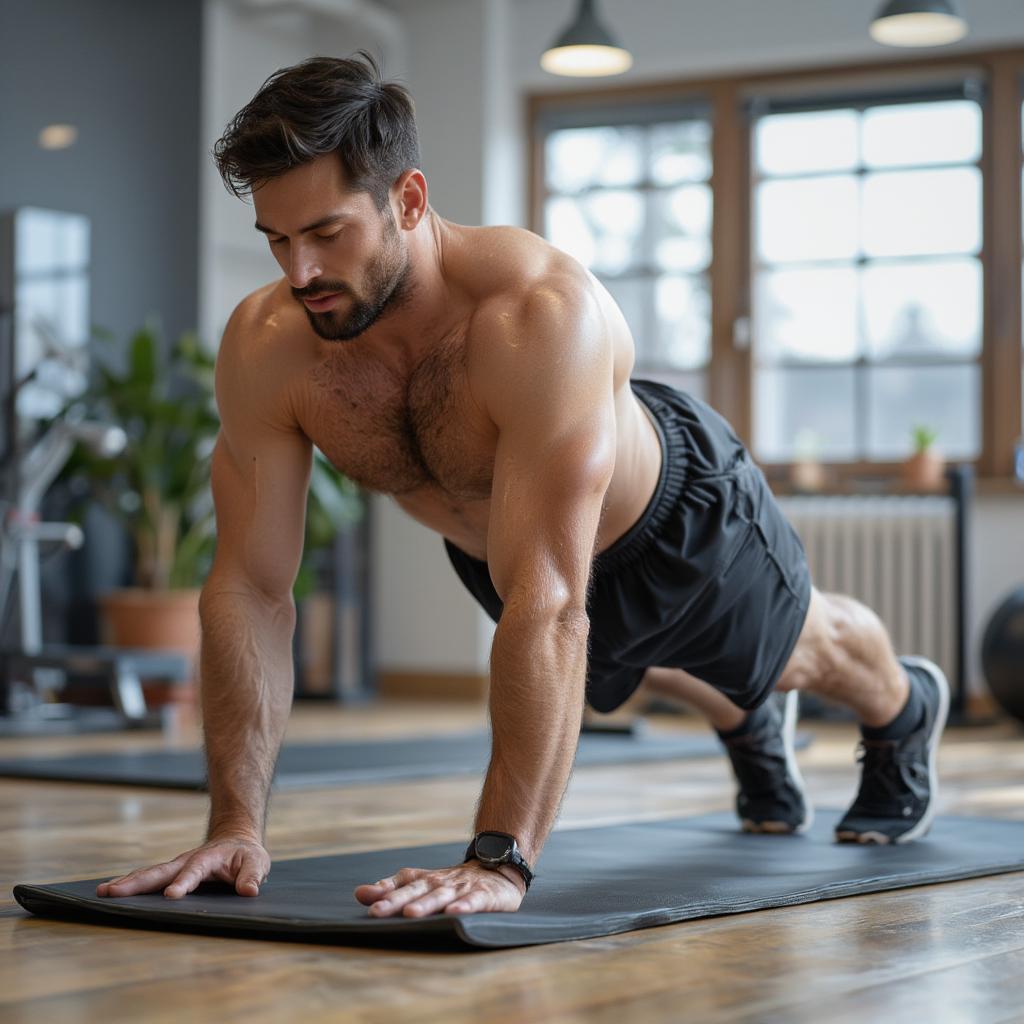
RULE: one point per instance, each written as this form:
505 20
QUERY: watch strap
517 861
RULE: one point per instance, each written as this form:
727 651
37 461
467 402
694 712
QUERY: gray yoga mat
590 882
349 761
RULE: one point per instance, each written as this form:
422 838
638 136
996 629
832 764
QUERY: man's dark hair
322 105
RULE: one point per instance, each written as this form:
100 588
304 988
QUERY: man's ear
411 193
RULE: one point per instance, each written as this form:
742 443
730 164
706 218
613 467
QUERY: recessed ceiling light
58 136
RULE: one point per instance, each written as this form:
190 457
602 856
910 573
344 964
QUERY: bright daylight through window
867 280
633 204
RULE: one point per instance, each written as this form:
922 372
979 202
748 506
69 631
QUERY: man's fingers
142 880
250 878
367 894
187 879
473 902
434 901
400 897
243 865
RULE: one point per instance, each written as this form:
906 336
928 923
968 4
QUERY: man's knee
838 630
815 656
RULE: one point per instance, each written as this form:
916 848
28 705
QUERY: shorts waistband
676 483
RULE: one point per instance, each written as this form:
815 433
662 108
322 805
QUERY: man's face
333 245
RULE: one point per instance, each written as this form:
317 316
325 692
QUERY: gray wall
127 74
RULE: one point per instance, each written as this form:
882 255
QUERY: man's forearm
247 678
538 674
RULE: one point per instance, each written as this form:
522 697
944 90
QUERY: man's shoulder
510 263
541 323
525 283
261 356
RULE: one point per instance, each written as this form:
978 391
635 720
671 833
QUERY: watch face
492 845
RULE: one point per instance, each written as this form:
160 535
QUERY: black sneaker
898 787
771 796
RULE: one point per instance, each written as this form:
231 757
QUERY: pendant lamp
586 48
918 23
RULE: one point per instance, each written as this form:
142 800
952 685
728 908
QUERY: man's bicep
261 512
260 475
545 510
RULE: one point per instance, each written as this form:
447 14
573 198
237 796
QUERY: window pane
49 240
809 314
922 133
910 213
682 333
806 142
693 383
577 158
810 219
923 309
681 225
634 296
602 229
944 398
680 152
51 312
804 412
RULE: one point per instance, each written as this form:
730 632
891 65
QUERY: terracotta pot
167 619
925 470
807 475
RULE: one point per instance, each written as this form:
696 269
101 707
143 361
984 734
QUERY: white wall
691 38
241 49
470 65
424 618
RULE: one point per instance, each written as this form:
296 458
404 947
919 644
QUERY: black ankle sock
748 723
905 722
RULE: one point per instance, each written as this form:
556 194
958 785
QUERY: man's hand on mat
464 889
241 862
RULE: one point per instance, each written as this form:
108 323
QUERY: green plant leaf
143 360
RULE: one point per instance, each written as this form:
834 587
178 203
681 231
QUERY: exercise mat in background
351 762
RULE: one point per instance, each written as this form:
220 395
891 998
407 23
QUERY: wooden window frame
730 371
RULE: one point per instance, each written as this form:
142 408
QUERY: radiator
897 555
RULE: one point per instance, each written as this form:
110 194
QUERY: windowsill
983 486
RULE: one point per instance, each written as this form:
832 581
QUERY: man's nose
303 268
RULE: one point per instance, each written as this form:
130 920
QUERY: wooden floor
951 952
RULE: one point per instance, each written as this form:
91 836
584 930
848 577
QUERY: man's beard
388 288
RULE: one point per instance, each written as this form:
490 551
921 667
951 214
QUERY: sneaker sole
942 685
791 712
922 826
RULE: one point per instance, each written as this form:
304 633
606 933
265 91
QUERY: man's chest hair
396 433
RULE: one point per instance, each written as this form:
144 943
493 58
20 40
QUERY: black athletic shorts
710 579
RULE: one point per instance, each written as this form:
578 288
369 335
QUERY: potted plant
807 474
925 468
158 487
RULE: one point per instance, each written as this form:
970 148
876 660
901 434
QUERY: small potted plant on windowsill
925 468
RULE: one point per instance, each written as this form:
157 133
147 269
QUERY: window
631 200
51 308
839 261
867 279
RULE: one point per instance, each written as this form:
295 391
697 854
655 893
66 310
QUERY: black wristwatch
492 849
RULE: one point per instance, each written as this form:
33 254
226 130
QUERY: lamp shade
918 23
586 48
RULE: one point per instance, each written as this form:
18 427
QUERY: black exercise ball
1002 653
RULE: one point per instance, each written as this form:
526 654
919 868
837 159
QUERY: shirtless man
482 378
